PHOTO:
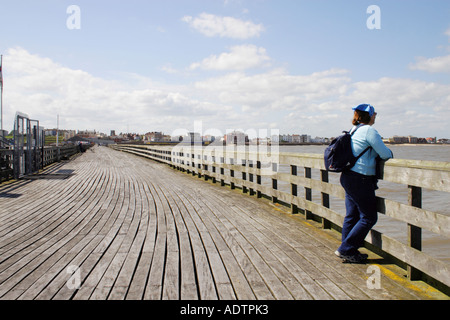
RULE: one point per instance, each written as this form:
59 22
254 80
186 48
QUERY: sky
213 66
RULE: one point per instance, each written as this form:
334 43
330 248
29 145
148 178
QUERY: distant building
399 139
190 137
304 138
67 134
209 138
153 137
87 134
50 132
236 137
294 138
286 138
408 139
176 138
320 140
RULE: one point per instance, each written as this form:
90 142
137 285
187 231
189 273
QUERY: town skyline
294 138
247 64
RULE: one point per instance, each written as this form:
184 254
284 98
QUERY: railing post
250 178
294 191
414 233
244 177
214 172
213 165
258 180
205 174
308 193
232 174
325 199
193 163
199 165
222 171
274 182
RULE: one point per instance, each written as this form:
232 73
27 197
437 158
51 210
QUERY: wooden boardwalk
110 225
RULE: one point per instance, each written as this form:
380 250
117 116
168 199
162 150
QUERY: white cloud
169 69
320 103
433 65
42 89
275 89
317 104
239 58
226 27
161 29
447 33
420 107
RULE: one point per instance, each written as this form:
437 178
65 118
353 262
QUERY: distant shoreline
280 144
387 143
419 144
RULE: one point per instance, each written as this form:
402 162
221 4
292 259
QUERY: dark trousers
361 206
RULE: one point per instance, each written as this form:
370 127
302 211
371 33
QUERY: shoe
363 255
356 258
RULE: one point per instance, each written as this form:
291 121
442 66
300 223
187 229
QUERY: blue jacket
364 137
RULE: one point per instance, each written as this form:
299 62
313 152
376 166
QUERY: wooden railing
51 155
56 154
288 178
6 161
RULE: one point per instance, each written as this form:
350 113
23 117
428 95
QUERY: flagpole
57 130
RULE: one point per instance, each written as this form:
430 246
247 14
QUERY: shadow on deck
123 227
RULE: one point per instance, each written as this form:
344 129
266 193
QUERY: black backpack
339 156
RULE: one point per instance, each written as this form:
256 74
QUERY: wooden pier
111 225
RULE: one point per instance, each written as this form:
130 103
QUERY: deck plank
140 230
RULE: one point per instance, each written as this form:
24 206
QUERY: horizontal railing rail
50 155
288 178
56 154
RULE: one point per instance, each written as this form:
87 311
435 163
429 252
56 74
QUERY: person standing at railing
360 183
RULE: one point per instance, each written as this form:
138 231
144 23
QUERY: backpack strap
354 129
362 153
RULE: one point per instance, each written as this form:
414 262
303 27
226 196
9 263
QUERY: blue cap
366 108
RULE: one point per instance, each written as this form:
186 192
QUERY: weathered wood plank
139 230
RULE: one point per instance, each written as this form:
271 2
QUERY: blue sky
290 65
